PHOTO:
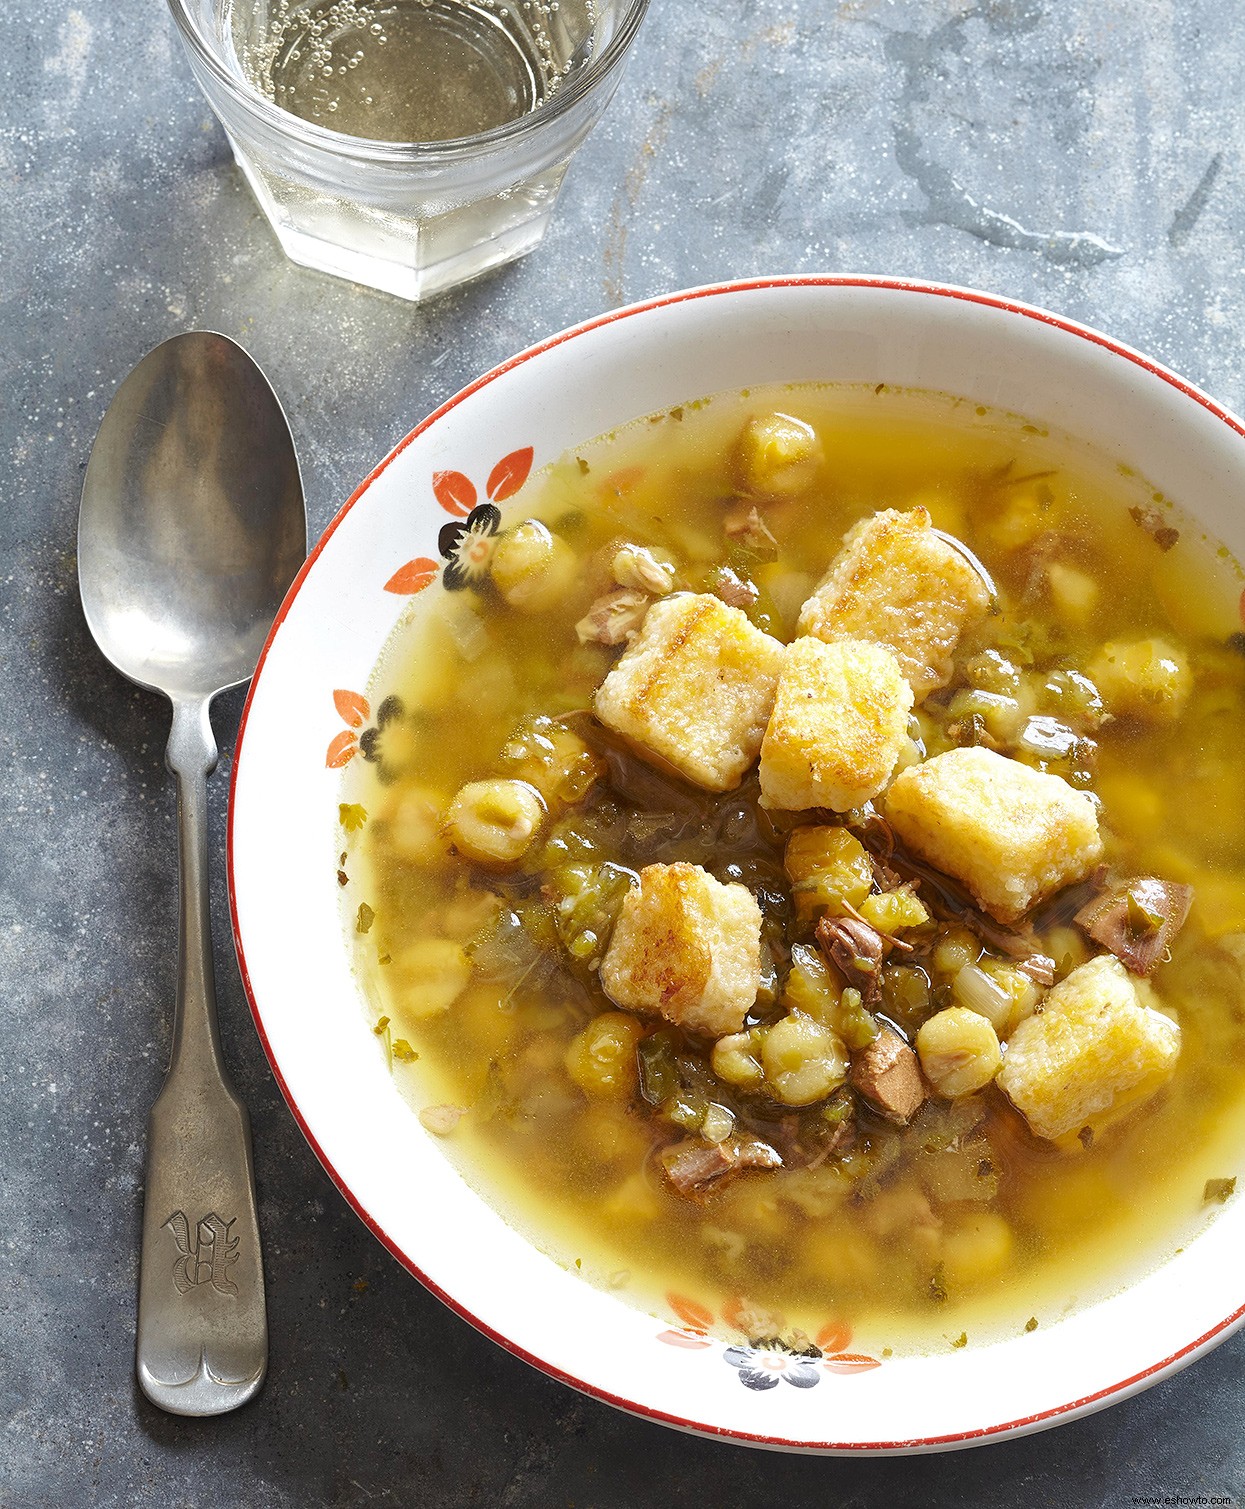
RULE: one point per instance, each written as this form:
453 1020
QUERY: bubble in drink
411 70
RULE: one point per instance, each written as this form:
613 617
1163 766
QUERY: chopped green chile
659 1070
837 1109
857 1027
1141 920
906 995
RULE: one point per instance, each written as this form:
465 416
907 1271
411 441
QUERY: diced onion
974 988
718 1124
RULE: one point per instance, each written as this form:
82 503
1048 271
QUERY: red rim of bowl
1025 1424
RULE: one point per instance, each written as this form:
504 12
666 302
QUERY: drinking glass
410 217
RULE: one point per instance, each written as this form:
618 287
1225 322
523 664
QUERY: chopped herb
403 1051
351 816
961 1340
385 959
342 878
1141 920
584 468
381 1030
881 388
1085 1136
1219 1189
937 1288
341 858
579 1262
677 412
1031 1324
364 918
887 1352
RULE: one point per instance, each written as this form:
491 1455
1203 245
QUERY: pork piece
1039 968
744 526
734 591
693 1167
888 1075
1138 920
798 1153
614 617
857 950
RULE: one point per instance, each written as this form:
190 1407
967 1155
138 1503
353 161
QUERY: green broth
793 1250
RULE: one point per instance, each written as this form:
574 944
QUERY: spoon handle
202 1329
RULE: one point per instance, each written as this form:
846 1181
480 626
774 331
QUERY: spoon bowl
192 523
191 529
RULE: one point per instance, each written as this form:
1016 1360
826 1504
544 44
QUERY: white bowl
358 583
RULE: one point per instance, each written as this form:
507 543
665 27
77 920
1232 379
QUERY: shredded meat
1138 920
745 526
805 1151
1156 526
857 950
888 1075
693 1166
614 617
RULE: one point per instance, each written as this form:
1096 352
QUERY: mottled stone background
1083 154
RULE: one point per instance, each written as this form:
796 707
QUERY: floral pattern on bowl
466 545
765 1361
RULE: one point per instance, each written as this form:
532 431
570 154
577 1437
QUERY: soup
799 868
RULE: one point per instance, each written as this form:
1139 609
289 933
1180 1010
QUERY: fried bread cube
1010 833
695 689
1096 1050
840 719
897 583
688 948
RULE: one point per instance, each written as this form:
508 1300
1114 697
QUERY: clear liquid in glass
429 74
410 70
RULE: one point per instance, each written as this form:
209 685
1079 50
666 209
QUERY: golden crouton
898 584
695 689
1010 833
840 719
688 948
1094 1051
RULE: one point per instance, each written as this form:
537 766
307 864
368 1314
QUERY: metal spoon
191 528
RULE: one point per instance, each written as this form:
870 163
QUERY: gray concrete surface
1083 154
